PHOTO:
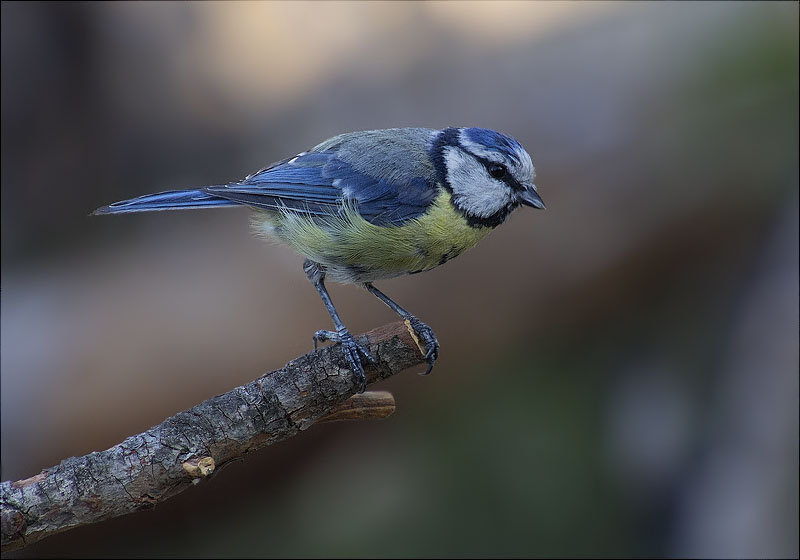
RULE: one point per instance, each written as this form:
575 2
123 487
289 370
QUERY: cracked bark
188 447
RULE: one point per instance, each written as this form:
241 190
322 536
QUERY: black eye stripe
508 178
449 137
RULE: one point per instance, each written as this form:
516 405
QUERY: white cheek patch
474 191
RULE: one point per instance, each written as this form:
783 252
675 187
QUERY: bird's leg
351 348
423 330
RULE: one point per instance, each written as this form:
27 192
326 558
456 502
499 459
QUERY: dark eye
497 171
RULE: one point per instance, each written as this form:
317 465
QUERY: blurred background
618 374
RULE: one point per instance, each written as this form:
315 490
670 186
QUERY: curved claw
431 342
323 335
352 351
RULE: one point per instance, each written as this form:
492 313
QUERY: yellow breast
355 250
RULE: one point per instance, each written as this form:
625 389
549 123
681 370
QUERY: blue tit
364 206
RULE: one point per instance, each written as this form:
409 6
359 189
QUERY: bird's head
488 174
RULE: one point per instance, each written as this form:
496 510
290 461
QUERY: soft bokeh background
619 373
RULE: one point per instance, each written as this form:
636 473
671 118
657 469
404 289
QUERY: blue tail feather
169 200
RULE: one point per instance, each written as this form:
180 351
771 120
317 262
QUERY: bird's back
397 155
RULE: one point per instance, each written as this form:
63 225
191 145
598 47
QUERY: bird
376 204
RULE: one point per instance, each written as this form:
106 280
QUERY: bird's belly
356 251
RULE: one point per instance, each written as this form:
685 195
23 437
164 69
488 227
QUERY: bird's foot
352 351
429 337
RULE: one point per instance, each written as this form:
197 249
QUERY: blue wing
316 184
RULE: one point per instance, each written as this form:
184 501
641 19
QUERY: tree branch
184 449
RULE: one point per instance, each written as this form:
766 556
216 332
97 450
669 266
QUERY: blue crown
496 141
